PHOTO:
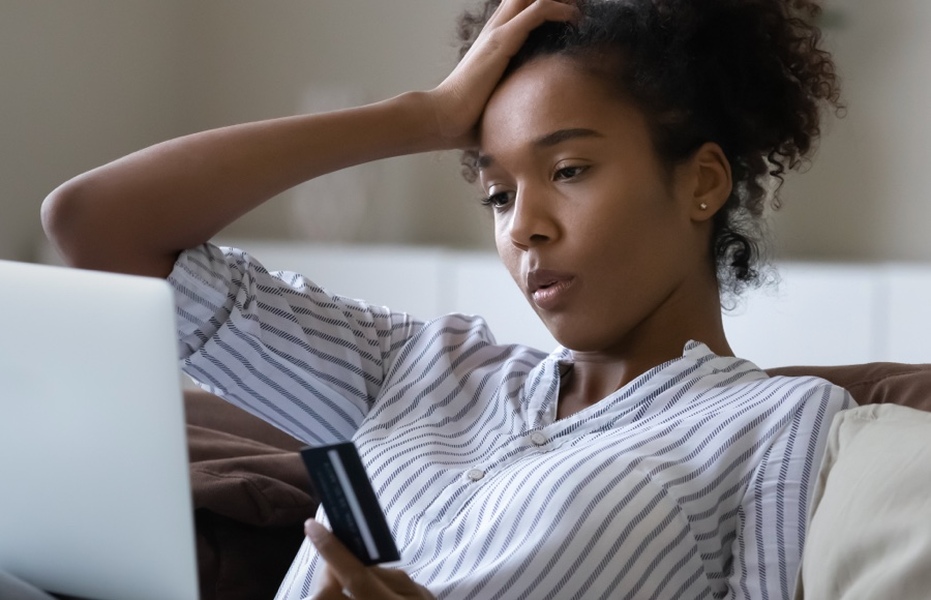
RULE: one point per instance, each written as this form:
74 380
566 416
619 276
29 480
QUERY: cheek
510 256
629 232
638 211
503 234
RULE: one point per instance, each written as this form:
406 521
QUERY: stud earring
703 206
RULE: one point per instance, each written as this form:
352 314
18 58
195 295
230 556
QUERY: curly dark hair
748 75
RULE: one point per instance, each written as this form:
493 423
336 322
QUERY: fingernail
312 530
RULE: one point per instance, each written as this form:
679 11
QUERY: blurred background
85 81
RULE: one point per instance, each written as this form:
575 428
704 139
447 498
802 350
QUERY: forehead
550 94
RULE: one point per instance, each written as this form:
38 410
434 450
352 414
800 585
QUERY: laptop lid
95 496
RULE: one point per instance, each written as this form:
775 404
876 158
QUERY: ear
709 182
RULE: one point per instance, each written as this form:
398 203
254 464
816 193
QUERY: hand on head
459 100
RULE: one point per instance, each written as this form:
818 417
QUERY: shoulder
742 377
778 405
808 391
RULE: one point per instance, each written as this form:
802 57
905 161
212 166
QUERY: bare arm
136 214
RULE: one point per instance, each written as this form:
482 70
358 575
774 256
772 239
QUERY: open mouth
548 288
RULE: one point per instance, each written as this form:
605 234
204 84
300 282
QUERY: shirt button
538 438
475 474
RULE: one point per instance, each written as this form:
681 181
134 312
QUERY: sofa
870 533
251 498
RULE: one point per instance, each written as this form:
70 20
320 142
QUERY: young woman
626 149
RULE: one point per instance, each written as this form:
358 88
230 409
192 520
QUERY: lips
549 288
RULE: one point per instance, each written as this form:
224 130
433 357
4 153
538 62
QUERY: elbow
58 215
91 230
64 220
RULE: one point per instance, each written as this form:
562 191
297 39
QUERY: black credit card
346 493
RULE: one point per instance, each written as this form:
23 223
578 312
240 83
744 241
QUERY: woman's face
600 237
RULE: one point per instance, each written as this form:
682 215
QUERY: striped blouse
692 481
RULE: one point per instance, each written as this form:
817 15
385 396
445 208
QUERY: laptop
95 497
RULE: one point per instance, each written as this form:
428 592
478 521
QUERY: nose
532 221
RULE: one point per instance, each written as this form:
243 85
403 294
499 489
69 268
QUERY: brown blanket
876 383
251 497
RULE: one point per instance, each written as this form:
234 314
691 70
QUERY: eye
567 173
499 200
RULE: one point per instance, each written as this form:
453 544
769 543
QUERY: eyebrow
546 141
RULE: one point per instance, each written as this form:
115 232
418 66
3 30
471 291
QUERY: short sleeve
773 514
281 347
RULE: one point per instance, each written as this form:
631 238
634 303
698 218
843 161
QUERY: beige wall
81 82
867 194
85 81
265 59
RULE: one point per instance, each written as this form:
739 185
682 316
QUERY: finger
506 10
401 583
509 10
329 588
508 35
351 574
393 578
539 12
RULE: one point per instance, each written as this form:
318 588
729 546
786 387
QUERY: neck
596 375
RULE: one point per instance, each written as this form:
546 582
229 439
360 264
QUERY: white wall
817 314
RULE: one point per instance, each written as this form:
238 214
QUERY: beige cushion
870 533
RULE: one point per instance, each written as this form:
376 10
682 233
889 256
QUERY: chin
578 341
